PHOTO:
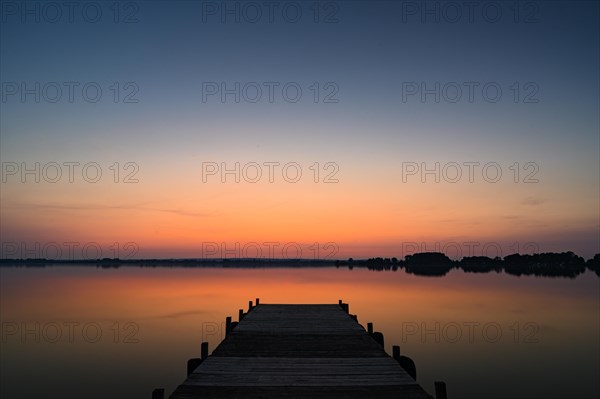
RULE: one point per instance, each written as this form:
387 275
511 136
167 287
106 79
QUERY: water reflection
93 332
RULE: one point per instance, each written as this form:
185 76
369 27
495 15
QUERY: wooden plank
299 351
297 345
240 392
244 371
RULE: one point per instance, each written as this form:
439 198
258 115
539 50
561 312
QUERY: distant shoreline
564 264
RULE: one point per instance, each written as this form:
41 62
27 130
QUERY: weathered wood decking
299 351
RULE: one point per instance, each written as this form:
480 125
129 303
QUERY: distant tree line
564 264
181 262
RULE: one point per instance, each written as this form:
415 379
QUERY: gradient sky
368 50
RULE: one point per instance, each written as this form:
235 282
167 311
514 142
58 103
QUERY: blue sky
364 57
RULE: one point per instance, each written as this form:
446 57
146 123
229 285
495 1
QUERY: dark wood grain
299 351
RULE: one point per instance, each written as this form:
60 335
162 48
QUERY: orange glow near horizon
359 217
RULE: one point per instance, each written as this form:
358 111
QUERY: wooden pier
300 351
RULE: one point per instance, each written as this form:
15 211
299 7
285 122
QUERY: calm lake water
84 332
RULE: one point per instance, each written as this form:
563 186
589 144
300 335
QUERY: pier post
204 350
378 337
158 393
370 328
405 362
192 364
440 390
227 325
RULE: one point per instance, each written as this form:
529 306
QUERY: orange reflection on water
540 321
